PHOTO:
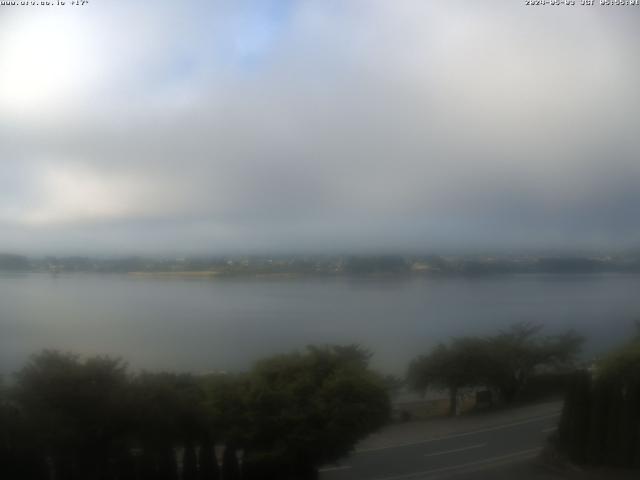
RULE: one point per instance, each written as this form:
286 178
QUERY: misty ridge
326 265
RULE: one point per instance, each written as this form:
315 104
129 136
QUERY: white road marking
446 452
481 463
458 435
334 469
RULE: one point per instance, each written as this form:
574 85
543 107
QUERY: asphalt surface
465 454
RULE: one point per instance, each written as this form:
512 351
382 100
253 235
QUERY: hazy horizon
470 253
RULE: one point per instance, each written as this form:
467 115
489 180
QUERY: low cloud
319 126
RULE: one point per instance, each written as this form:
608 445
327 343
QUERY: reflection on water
204 325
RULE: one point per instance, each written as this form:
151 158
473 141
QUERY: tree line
506 363
600 423
67 418
352 265
63 417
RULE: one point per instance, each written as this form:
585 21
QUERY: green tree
518 352
307 409
462 363
610 433
95 421
504 362
573 429
20 456
225 402
74 409
168 411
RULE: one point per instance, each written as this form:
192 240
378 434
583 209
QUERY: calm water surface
205 325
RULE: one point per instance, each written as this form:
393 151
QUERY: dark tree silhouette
75 410
504 362
610 433
88 419
460 364
307 409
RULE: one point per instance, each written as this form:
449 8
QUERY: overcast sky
130 126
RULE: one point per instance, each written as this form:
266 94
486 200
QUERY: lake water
225 324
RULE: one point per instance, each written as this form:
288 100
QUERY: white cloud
66 193
46 62
409 117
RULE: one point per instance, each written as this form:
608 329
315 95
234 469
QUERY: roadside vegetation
505 365
68 418
600 424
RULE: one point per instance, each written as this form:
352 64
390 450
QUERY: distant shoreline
325 266
214 274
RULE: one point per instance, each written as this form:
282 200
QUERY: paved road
449 455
